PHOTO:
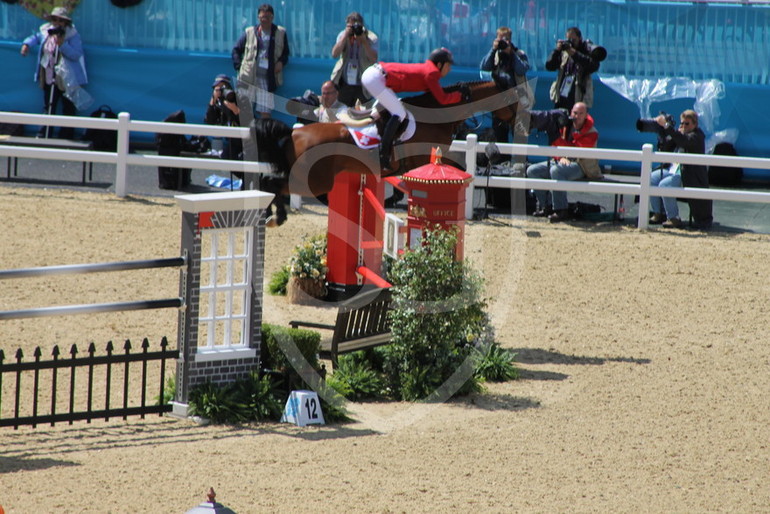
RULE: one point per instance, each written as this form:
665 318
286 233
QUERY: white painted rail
645 157
124 125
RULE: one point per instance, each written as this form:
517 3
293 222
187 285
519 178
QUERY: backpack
724 175
103 140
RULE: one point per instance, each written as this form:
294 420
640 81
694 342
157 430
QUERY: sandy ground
644 385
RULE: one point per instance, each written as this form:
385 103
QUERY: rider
384 79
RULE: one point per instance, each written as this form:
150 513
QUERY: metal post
644 187
121 166
470 167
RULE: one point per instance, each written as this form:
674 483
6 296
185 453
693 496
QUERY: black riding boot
386 144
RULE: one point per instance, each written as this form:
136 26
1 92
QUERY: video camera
56 31
651 124
357 29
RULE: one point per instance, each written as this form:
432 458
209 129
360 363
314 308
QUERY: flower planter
305 290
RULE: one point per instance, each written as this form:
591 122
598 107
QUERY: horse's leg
276 211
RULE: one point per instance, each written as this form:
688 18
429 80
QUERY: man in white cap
61 67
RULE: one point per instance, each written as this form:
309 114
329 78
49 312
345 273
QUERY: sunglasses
685 123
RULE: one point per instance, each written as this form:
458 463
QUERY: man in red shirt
579 131
384 79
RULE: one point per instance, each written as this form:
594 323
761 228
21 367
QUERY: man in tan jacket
259 57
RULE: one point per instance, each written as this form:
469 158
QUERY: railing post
121 165
644 187
472 142
295 201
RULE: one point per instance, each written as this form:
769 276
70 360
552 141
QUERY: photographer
511 65
356 49
575 59
577 130
689 138
223 110
59 46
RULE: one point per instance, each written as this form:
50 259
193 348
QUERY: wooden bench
66 144
362 322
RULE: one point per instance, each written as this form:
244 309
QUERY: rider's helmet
441 55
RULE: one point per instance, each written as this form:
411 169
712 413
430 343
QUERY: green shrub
216 403
436 299
169 392
355 379
259 397
278 281
495 364
253 398
276 339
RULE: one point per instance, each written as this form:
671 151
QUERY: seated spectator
330 105
355 50
688 139
577 130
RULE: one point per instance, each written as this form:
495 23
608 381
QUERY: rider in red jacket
384 79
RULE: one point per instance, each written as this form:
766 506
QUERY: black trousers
50 102
349 94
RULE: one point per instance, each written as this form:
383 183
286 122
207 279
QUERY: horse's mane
429 101
272 136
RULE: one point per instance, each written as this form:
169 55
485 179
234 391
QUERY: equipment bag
103 140
725 175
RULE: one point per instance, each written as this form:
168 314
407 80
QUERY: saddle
366 127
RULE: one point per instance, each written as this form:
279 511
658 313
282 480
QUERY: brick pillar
199 361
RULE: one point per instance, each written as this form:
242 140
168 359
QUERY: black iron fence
60 390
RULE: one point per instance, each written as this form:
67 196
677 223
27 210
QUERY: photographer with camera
576 130
575 59
223 110
689 138
511 65
355 50
60 47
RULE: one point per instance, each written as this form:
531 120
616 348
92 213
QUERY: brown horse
318 152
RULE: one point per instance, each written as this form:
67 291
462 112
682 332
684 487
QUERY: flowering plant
309 259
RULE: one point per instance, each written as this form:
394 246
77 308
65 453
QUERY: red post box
436 197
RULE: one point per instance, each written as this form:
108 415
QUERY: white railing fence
124 125
646 157
471 146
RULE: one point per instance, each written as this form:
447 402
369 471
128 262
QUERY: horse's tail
273 138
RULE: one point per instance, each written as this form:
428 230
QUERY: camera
651 124
56 31
357 29
502 44
565 44
227 94
598 53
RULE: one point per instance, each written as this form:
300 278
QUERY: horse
318 152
